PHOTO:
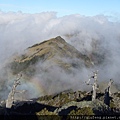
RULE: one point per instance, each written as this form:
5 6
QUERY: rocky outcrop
51 105
70 106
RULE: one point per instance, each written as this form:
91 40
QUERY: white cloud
88 34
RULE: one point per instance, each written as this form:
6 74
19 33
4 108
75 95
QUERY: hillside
56 52
55 64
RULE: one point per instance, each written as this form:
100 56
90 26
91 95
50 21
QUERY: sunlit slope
55 51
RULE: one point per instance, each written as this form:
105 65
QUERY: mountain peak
59 38
56 39
55 50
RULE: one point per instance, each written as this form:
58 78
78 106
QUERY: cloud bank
88 34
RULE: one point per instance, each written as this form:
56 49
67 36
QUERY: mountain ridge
50 50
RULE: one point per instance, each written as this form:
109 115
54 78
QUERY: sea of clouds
87 34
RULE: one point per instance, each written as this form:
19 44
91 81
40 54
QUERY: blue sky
63 7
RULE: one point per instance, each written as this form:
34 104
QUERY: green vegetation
17 67
44 114
82 111
112 105
61 98
117 95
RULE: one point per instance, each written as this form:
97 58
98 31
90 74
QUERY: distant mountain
55 52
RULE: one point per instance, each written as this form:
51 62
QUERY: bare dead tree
10 99
108 93
107 97
94 85
109 86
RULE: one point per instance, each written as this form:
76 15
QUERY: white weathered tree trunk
94 91
10 99
94 85
109 86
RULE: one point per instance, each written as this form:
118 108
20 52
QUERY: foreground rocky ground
62 106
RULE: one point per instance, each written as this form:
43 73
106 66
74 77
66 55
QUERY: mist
88 34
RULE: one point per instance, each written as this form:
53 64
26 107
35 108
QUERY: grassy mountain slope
56 51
